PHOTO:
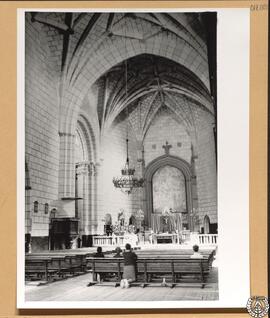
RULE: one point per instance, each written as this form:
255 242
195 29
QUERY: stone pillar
93 222
195 226
189 203
66 166
206 169
86 174
98 225
82 191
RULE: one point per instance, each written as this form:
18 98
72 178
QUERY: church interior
120 132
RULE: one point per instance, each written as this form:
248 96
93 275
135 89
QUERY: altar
165 238
166 228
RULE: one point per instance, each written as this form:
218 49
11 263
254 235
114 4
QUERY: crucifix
167 147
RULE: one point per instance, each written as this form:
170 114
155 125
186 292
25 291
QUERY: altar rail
185 236
207 239
108 240
192 238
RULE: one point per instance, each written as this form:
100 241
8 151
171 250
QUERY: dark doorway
62 232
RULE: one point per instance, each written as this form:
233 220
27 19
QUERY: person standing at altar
130 263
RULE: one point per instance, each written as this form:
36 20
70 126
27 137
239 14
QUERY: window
36 206
46 208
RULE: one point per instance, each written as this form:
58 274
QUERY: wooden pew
173 252
54 265
209 254
174 267
108 265
38 268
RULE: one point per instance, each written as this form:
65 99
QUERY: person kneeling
129 274
99 253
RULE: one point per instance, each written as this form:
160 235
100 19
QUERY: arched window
36 206
46 208
53 213
206 224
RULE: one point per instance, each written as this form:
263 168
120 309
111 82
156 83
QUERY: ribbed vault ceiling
150 83
146 81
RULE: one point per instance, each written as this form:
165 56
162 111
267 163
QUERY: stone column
195 220
206 169
189 203
82 189
93 175
66 166
99 193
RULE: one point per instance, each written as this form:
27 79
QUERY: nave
120 149
155 279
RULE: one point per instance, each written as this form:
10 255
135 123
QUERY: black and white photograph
121 157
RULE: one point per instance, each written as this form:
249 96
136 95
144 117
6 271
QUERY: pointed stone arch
86 181
152 167
206 224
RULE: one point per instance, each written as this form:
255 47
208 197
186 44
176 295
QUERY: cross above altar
167 147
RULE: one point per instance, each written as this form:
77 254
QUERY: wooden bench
176 268
49 266
39 268
173 252
208 254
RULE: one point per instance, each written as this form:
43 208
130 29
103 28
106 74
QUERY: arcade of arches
93 78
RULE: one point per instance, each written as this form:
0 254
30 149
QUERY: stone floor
75 289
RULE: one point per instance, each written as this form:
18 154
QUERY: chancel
120 149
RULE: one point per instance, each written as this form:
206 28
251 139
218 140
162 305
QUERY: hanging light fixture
127 181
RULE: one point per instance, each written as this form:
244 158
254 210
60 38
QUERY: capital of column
87 168
83 168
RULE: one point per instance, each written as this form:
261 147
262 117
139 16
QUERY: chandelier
127 181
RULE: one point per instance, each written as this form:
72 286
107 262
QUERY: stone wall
206 170
41 128
166 128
